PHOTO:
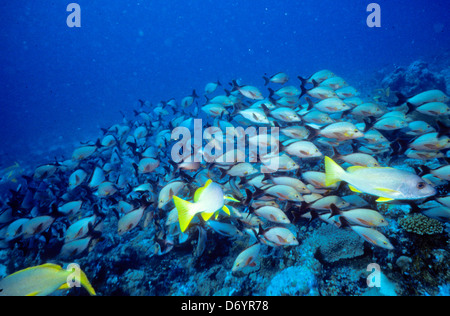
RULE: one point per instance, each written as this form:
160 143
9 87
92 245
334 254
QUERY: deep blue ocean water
61 84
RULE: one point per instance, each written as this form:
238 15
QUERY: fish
187 101
317 117
442 172
272 214
255 115
321 93
279 77
41 280
277 237
424 97
367 109
390 123
79 229
76 178
360 216
242 169
168 191
84 152
297 132
250 92
11 173
385 182
417 128
212 86
130 220
318 77
247 258
302 149
207 200
334 83
225 229
357 159
433 109
341 131
201 242
214 109
288 91
285 115
372 236
331 105
283 192
347 92
430 142
36 225
296 183
147 165
45 171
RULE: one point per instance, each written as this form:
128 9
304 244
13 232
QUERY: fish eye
421 185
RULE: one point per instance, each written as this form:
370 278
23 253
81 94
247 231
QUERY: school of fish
287 174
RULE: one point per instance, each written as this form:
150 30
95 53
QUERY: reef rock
416 78
293 281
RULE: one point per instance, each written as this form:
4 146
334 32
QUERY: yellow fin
86 284
33 293
354 189
65 286
206 216
226 210
230 198
186 212
386 190
45 265
333 172
383 199
199 191
353 168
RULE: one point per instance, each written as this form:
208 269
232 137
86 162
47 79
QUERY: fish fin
186 212
353 189
383 199
33 293
333 172
64 286
226 210
386 190
206 216
353 168
197 194
86 284
45 265
230 198
442 129
411 108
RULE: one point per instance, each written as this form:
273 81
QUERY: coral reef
298 280
421 225
414 79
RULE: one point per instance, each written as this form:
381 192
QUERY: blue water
60 84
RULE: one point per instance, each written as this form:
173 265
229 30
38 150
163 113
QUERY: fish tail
186 212
86 284
206 216
333 172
